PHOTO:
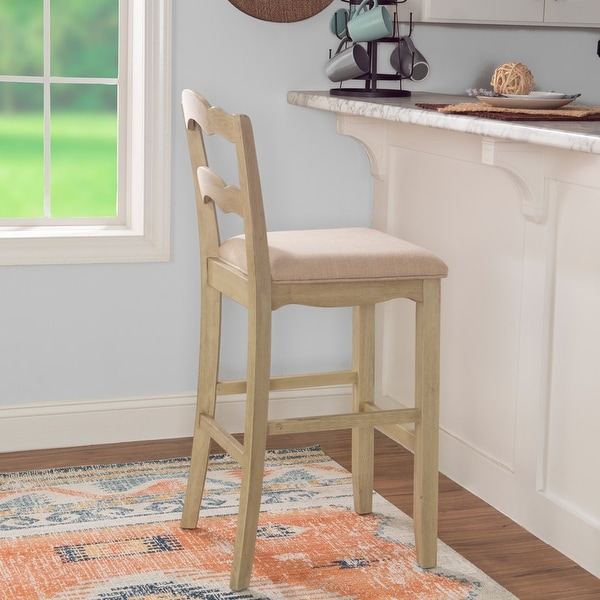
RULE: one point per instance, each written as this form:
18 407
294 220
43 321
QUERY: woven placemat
281 11
475 109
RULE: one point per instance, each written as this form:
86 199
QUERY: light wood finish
519 561
253 285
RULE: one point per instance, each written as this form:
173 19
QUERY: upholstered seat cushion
348 254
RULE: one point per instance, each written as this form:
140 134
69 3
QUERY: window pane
84 38
21 150
21 37
83 150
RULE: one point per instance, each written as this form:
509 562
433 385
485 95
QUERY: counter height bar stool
354 267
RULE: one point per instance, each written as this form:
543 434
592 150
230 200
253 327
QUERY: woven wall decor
281 11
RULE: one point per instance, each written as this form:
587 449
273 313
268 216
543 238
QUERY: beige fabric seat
338 254
354 267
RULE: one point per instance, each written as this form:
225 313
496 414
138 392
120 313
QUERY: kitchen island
513 207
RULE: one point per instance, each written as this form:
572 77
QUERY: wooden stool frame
256 290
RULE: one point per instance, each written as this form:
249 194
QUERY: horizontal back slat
227 197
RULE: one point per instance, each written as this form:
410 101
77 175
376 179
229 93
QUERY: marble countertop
578 136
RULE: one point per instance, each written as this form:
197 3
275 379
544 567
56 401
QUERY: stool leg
426 447
210 336
363 353
255 440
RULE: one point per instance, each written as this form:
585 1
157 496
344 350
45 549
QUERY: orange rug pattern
112 533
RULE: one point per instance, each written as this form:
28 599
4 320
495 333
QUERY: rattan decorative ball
512 78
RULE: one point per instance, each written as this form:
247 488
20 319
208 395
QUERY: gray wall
78 333
560 59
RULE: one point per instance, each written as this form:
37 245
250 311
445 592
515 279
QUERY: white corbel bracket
372 135
526 165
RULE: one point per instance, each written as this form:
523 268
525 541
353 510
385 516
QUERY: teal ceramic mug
339 21
368 24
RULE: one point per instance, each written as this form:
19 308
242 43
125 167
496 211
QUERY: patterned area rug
111 532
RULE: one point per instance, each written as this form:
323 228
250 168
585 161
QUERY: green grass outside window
83 165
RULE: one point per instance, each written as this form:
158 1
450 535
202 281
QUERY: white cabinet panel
481 11
486 279
571 476
534 12
580 12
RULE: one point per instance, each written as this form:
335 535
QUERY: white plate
529 101
539 95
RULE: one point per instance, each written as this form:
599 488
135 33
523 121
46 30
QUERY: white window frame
142 231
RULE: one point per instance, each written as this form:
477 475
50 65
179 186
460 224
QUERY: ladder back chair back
263 271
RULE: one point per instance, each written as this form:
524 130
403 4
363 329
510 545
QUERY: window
84 131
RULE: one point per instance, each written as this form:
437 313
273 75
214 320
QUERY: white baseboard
68 424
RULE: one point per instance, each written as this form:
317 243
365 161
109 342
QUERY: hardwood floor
529 568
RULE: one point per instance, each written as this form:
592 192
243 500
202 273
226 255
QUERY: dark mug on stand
408 61
349 63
